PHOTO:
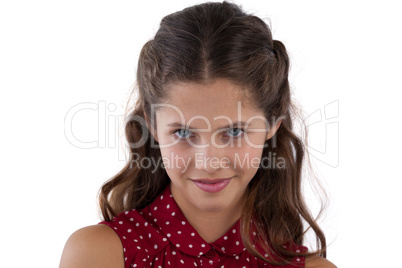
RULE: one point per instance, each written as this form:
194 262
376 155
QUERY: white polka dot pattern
160 236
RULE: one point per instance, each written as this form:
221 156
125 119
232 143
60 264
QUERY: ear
273 130
151 129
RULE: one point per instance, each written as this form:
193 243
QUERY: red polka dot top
160 236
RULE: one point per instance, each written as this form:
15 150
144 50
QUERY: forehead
221 98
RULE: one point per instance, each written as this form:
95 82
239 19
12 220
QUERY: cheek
175 160
246 160
251 146
254 140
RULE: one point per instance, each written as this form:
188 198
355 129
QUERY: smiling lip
212 186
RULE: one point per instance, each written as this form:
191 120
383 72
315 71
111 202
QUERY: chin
212 206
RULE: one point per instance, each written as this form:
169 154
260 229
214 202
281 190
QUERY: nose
210 159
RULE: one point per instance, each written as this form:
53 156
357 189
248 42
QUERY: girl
214 175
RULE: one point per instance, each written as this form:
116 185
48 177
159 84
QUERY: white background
57 54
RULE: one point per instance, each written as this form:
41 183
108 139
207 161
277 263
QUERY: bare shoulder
93 246
318 262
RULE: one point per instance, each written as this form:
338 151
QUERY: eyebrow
235 124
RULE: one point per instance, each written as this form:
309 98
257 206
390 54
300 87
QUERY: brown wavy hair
200 44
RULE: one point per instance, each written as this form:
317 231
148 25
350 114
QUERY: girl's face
211 140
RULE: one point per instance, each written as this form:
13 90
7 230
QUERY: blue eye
235 132
182 133
185 133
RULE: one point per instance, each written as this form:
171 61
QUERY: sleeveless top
160 236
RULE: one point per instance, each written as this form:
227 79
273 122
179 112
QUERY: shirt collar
171 221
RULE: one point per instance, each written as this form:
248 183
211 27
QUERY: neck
210 228
212 225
